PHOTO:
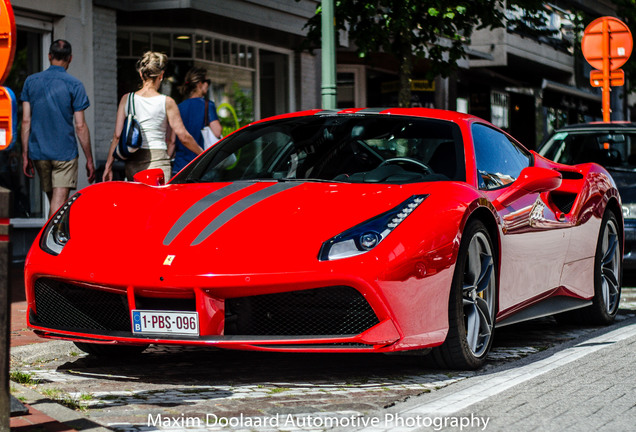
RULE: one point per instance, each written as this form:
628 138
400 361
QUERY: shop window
28 201
273 79
462 105
351 86
161 43
499 109
216 51
231 66
182 45
242 55
123 43
225 52
202 47
250 58
140 43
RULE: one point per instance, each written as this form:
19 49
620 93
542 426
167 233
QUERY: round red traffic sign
7 39
619 42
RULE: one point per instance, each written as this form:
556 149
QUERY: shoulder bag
209 139
130 138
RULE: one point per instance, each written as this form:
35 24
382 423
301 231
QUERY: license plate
164 322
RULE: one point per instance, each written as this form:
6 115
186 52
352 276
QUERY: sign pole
328 55
606 72
607 44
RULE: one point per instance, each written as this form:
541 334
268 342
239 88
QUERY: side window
499 160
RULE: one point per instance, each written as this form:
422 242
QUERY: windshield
611 149
342 148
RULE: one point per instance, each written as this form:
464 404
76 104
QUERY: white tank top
150 112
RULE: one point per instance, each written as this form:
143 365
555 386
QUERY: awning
569 90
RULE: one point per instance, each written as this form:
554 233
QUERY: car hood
234 228
626 183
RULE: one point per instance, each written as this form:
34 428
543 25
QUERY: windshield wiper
314 180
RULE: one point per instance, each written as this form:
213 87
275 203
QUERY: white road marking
502 381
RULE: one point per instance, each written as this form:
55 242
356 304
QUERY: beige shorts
57 174
144 159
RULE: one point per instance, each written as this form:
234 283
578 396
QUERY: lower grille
329 311
63 306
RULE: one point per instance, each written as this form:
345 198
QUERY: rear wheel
107 350
472 305
608 266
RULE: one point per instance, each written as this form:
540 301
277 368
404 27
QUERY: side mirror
150 177
530 180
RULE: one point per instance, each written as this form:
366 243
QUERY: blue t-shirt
54 95
192 112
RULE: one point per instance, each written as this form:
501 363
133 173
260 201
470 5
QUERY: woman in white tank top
157 115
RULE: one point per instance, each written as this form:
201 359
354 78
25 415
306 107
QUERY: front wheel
472 304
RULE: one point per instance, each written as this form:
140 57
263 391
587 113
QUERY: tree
438 31
626 10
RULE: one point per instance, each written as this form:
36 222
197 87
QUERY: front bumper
340 306
324 319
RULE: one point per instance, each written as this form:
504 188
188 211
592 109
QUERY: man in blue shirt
53 104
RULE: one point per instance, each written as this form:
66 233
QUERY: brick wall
105 81
309 85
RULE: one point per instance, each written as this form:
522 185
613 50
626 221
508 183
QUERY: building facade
530 83
252 51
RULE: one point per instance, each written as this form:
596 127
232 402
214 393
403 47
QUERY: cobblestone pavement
168 386
558 401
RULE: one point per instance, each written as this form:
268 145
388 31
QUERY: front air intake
329 311
65 306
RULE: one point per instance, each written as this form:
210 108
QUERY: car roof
431 113
597 127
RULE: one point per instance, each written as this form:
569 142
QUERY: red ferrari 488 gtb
363 230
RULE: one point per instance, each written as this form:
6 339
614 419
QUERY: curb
60 413
41 351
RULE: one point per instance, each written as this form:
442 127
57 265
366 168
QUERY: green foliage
437 31
242 110
23 377
626 11
243 105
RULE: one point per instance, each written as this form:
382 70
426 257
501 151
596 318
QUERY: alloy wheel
478 294
610 266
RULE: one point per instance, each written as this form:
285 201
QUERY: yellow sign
416 85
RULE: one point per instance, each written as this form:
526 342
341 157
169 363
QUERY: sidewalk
34 420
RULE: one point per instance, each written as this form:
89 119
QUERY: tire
107 350
472 303
608 267
608 272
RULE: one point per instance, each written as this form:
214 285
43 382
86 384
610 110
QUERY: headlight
57 232
629 211
368 234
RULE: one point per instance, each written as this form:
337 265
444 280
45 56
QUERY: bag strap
131 103
205 116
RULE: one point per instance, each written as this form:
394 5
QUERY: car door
533 240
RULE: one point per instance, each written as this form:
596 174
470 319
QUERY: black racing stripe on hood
200 206
240 206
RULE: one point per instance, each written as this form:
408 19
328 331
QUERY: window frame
44 28
513 143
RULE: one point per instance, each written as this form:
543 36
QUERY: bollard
5 309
